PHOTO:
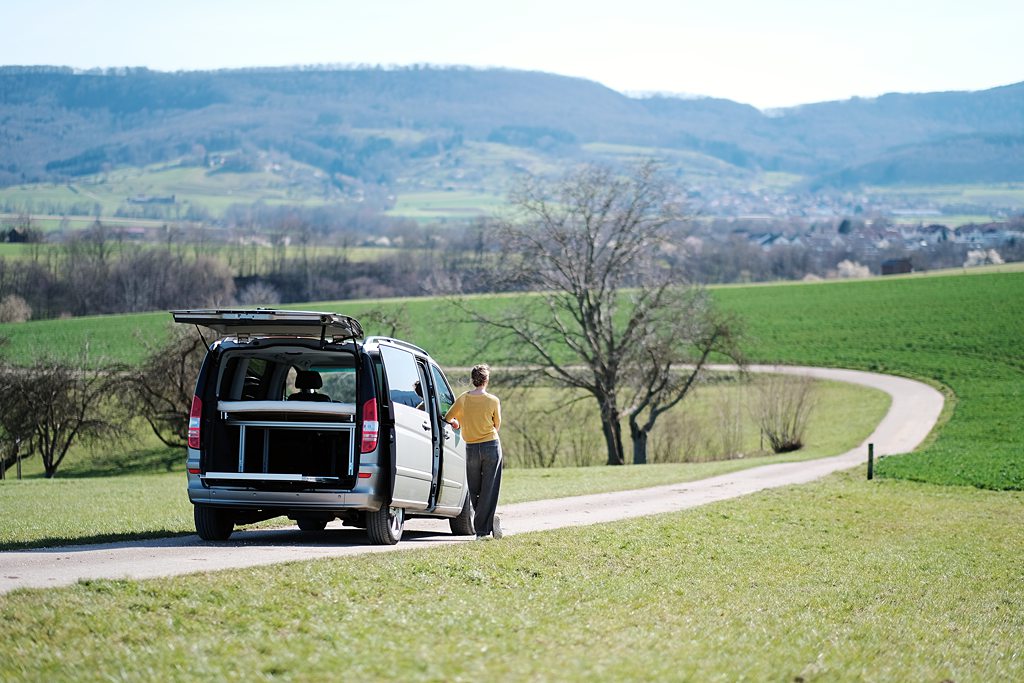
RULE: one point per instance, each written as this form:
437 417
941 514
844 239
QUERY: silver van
295 414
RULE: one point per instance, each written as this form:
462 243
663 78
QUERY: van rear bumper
362 497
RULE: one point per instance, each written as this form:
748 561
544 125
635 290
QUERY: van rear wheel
384 526
212 524
463 524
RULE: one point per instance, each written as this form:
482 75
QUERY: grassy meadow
191 185
840 580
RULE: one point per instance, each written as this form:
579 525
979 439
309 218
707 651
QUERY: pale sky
768 53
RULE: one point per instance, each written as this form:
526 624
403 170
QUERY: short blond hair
481 374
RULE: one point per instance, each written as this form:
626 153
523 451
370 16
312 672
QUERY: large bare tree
672 359
599 248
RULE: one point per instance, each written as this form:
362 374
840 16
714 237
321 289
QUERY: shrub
981 257
849 270
14 309
782 409
259 294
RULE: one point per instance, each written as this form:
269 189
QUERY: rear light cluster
371 427
194 418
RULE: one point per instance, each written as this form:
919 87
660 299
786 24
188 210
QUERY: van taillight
371 427
194 417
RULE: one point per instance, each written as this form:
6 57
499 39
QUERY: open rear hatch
259 438
265 322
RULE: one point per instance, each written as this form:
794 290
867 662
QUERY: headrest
308 379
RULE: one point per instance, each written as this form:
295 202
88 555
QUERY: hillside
373 127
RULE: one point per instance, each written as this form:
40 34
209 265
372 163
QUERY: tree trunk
612 435
639 437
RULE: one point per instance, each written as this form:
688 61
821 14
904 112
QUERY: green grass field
841 580
241 259
431 205
961 331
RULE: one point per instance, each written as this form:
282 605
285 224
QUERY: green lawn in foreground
841 580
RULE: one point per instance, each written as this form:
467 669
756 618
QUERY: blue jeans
483 467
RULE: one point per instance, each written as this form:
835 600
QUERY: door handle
426 426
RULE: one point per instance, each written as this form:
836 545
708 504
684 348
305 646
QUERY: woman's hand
454 422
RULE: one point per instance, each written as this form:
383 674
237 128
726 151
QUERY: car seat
307 382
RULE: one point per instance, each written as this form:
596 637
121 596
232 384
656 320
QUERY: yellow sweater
479 416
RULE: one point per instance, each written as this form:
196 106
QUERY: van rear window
270 374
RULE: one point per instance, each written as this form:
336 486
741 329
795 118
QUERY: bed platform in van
285 441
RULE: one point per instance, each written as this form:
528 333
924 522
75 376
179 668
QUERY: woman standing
479 415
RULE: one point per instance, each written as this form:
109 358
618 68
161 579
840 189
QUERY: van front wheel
212 524
384 526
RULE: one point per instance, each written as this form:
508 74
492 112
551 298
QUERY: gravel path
914 411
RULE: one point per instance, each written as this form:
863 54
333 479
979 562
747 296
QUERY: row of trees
145 280
100 271
84 281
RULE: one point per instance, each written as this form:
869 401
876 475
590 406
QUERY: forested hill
57 124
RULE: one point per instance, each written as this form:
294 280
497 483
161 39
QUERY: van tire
311 524
212 524
385 526
463 524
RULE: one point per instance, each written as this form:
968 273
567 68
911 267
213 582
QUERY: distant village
887 234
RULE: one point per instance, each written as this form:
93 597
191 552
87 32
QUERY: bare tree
58 405
15 420
597 247
679 338
388 322
161 388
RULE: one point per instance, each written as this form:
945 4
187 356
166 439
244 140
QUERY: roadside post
871 461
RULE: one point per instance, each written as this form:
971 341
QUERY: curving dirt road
914 411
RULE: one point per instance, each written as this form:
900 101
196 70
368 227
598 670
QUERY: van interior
286 418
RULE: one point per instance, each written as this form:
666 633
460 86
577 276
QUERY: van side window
254 388
244 379
403 376
444 392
